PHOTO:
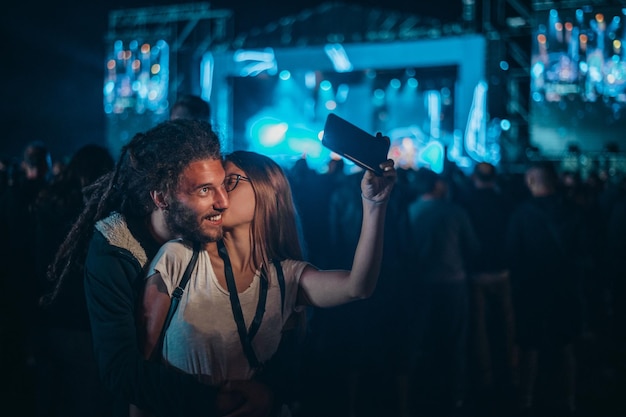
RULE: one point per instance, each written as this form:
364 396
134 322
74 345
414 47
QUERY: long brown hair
275 226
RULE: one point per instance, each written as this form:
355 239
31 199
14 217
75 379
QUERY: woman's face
241 198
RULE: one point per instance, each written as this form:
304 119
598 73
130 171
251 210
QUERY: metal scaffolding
190 30
507 26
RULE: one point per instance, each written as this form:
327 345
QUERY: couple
171 183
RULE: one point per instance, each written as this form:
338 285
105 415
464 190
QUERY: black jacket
114 272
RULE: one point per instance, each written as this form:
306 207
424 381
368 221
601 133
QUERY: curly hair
276 225
151 161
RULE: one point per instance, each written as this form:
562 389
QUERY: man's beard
183 222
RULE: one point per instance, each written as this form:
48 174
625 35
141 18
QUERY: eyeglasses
231 181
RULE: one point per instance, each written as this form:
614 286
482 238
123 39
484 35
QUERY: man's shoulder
116 232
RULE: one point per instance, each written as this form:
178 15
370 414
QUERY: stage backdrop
426 95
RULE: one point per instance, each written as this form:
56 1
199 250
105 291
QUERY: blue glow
475 131
254 69
412 82
255 62
584 67
504 66
284 75
505 124
310 79
245 55
537 69
433 106
303 144
326 85
342 93
339 57
286 139
269 131
206 75
433 156
109 86
395 83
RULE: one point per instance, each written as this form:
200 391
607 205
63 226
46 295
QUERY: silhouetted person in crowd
587 196
189 106
442 242
331 329
546 242
616 267
19 282
492 331
346 368
311 193
68 383
4 174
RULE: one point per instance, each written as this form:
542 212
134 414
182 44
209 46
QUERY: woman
235 306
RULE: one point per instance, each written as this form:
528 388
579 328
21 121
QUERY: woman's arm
335 287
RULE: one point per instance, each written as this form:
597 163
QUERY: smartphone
355 144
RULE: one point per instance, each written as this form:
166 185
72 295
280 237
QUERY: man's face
195 211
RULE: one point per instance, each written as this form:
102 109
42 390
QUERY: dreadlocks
151 161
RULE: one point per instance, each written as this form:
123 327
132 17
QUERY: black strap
281 284
177 294
245 336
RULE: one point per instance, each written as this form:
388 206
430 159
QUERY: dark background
52 66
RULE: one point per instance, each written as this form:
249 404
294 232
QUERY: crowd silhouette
501 294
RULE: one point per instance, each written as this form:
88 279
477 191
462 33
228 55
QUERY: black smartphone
355 144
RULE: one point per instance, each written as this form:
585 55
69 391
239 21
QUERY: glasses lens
230 182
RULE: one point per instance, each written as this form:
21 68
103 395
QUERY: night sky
53 62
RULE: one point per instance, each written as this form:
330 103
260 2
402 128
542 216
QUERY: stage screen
578 81
284 114
427 96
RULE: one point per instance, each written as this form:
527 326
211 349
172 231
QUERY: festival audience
559 276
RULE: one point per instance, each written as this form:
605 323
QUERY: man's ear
159 199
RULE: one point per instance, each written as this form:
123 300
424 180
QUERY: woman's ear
159 199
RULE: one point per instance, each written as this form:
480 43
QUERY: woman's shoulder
174 250
177 245
293 268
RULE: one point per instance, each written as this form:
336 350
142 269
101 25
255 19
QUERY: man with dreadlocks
167 183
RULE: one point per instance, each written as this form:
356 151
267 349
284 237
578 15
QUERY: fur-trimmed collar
116 231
